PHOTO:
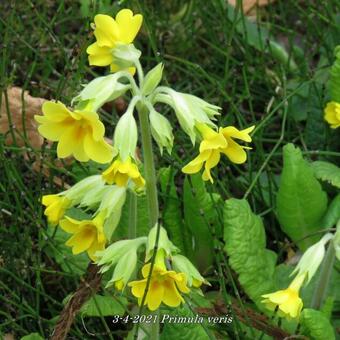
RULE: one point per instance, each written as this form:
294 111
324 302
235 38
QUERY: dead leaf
250 5
19 111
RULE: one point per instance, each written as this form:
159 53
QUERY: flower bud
163 243
161 131
152 79
101 90
124 270
126 135
181 264
311 259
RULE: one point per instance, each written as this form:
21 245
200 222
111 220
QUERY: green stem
149 166
132 226
325 276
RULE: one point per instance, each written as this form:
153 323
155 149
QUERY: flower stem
149 166
132 226
325 276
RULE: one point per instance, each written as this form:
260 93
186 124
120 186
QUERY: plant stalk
325 276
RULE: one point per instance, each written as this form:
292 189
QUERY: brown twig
257 320
86 289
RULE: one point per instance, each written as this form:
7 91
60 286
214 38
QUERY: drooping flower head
165 285
88 235
332 114
213 144
78 133
56 206
109 34
288 301
120 172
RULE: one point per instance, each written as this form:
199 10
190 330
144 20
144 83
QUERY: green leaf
315 325
142 219
200 216
301 203
107 305
245 240
172 217
327 172
332 214
32 336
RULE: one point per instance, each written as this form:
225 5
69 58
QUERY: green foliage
301 203
335 77
32 336
315 325
332 214
107 305
200 216
245 243
328 172
172 217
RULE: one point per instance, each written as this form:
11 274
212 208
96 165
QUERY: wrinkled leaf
245 240
301 202
327 172
107 305
315 325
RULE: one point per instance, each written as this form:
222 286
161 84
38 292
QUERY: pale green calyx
161 131
152 79
112 254
125 55
181 264
336 241
124 269
312 258
189 109
101 90
163 243
126 134
77 192
111 208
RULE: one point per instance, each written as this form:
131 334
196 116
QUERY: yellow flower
88 235
55 207
332 114
165 286
234 151
80 133
213 144
288 301
110 32
120 172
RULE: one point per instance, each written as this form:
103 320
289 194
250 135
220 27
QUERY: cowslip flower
165 286
88 235
213 144
120 172
78 133
56 206
288 301
111 32
332 114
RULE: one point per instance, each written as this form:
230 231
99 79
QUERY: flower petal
81 241
106 31
137 288
69 225
171 297
155 295
235 152
99 56
231 131
99 151
196 164
128 24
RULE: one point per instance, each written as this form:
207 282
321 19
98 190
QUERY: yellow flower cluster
332 114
